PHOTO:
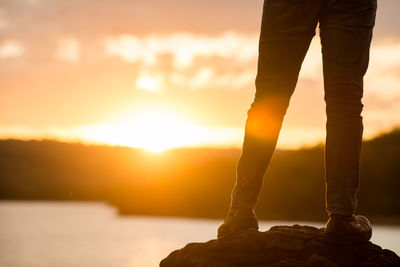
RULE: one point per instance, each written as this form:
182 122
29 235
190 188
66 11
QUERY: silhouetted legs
286 31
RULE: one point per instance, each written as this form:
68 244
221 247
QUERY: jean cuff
340 211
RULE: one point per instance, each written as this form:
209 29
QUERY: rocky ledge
293 246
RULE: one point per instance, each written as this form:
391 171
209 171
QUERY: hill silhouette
193 182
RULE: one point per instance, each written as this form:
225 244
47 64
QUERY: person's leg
346 32
286 31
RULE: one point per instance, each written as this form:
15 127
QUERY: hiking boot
341 228
238 219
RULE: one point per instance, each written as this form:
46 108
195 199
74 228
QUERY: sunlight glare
153 129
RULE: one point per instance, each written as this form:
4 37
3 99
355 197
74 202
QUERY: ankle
341 217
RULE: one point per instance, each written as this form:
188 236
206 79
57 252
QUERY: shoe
238 219
341 228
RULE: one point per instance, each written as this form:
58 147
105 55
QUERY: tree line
193 182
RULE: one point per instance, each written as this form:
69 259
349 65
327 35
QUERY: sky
158 74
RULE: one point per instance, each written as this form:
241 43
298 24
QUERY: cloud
68 49
11 49
183 47
197 62
149 82
209 79
231 55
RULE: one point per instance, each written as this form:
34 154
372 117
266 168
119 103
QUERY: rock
289 246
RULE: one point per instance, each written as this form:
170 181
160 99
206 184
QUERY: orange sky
159 74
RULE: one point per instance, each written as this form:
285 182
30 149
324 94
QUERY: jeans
287 28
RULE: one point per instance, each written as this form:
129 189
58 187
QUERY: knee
344 102
265 116
267 107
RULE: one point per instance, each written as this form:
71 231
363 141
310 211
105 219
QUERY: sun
153 129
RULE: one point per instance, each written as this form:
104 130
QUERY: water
91 234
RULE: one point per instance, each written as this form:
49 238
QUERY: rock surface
293 246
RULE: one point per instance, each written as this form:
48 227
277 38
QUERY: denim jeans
287 28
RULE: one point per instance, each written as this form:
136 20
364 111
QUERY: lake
91 234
